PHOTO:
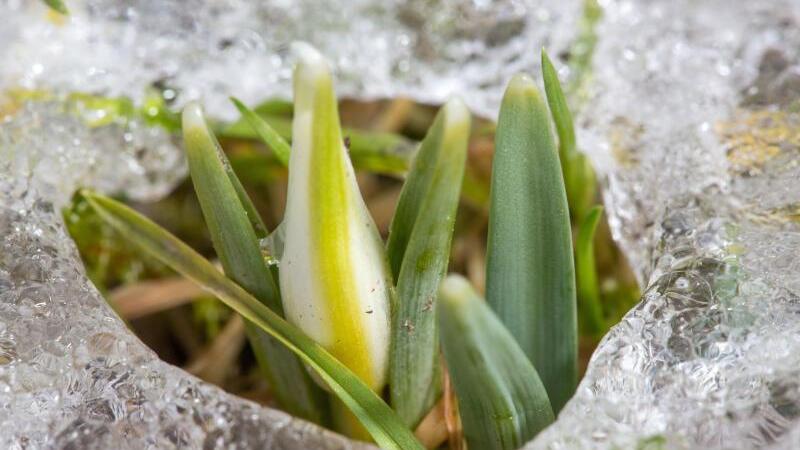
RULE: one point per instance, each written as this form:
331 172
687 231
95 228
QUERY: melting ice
694 117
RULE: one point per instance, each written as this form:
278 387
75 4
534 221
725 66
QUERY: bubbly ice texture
210 50
72 375
694 119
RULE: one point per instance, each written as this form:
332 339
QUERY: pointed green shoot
558 107
579 176
268 135
235 241
58 6
530 277
334 278
588 288
502 402
381 422
419 251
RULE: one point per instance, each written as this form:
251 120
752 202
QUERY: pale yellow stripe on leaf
332 236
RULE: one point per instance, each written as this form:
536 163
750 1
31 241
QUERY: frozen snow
694 118
213 49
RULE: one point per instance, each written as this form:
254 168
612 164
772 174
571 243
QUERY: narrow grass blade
385 153
334 278
530 277
558 107
58 6
234 238
382 423
267 134
591 311
579 176
502 402
419 251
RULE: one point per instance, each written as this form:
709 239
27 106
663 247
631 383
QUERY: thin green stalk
268 135
530 277
419 251
381 422
559 109
579 176
502 402
588 288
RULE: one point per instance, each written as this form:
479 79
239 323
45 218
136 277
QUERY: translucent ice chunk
213 49
72 376
694 118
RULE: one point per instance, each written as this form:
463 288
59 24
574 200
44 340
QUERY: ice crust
213 49
694 118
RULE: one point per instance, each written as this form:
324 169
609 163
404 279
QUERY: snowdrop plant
368 321
335 279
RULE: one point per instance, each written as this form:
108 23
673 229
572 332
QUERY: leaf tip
456 112
522 85
454 290
193 117
88 194
237 103
547 64
311 66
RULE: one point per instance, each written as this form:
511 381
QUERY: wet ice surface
72 376
214 49
695 118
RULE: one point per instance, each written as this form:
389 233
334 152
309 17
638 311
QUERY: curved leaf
267 134
588 289
381 422
502 402
419 251
230 223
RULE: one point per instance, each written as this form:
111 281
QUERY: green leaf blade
586 271
502 402
559 109
230 225
530 279
268 135
419 252
377 417
579 176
